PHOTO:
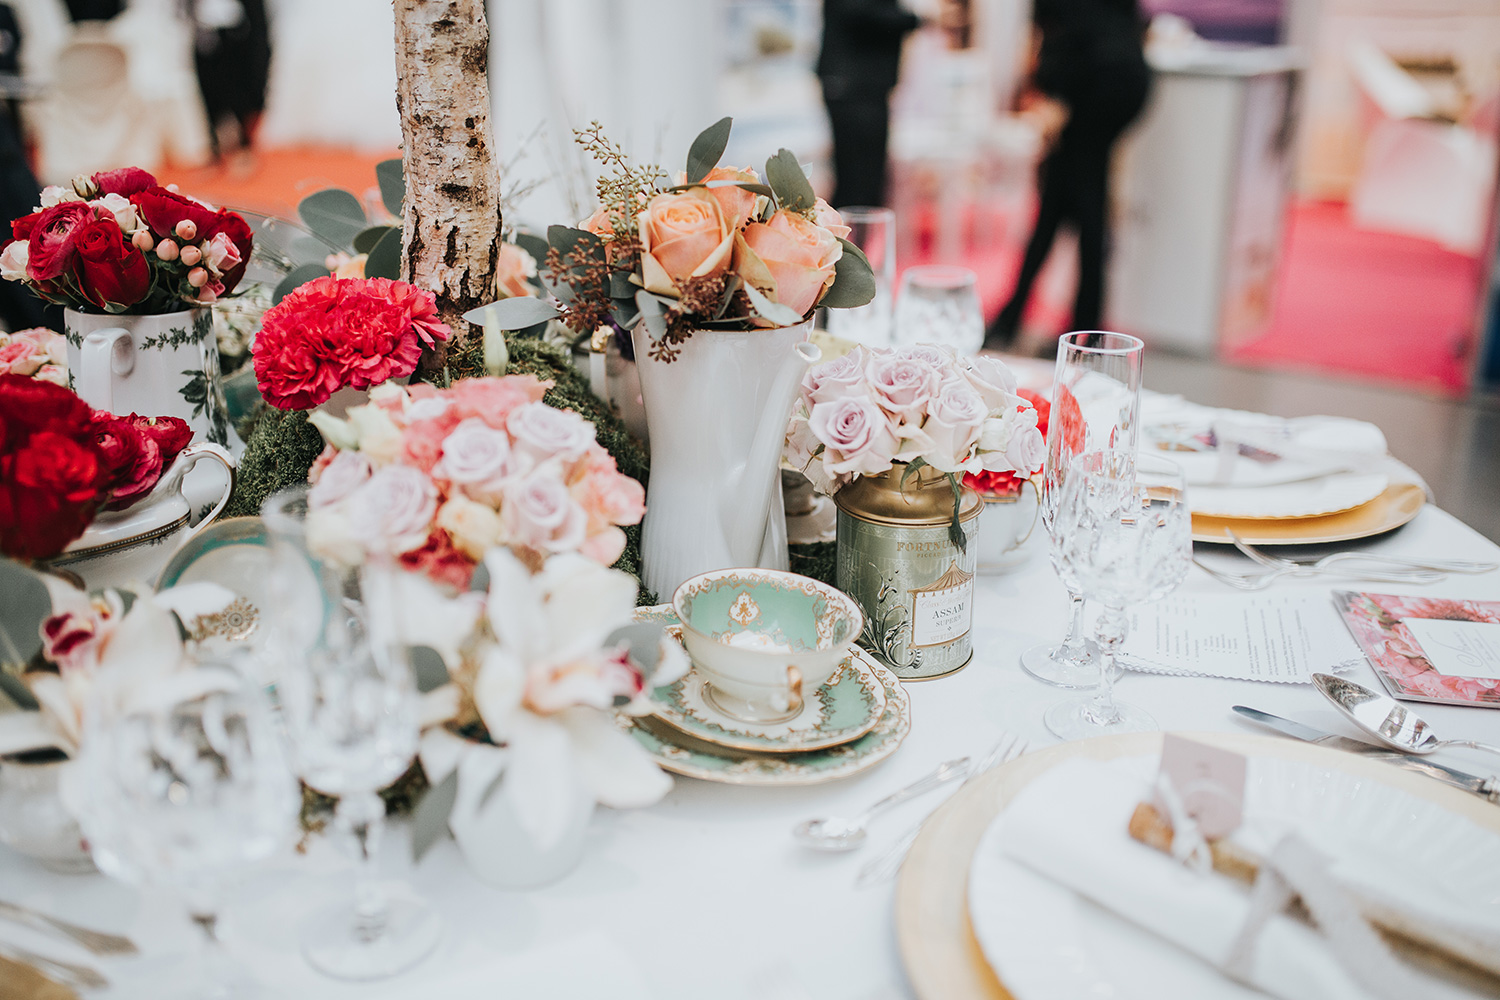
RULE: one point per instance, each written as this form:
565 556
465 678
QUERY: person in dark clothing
857 66
1091 74
19 191
233 62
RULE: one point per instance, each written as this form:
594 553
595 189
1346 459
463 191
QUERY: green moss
815 560
278 453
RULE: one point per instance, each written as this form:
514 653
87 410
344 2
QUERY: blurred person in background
1089 83
858 65
233 57
19 191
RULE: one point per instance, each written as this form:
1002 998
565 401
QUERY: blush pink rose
604 547
512 269
13 260
857 436
422 443
992 380
798 255
1027 451
476 459
683 235
954 418
843 376
222 256
393 510
492 399
539 513
543 432
829 218
609 498
344 473
902 386
19 357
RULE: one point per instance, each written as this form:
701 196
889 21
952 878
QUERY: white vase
163 365
1007 527
500 851
717 416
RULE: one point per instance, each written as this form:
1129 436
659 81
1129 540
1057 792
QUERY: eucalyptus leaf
367 238
296 277
516 313
704 153
566 238
774 311
384 260
620 285
653 313
853 280
26 605
911 468
786 178
732 284
17 691
334 214
534 245
392 181
429 821
749 186
430 670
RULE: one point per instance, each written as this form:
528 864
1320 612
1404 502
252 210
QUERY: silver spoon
838 834
1386 719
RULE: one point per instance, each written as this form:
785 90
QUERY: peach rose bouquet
436 478
715 247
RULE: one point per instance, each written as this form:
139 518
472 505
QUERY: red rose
126 181
233 225
132 460
162 210
28 405
21 228
171 434
52 248
1040 404
110 271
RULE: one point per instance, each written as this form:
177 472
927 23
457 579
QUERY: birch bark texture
451 214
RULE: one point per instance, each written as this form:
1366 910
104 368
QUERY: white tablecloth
705 894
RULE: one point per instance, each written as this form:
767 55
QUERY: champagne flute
348 701
873 230
1123 530
1096 395
939 305
181 782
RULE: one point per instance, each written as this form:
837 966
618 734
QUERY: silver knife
1488 788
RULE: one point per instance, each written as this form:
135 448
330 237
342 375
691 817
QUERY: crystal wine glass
1096 394
940 305
349 704
1122 529
873 230
181 782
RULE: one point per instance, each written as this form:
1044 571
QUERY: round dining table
706 894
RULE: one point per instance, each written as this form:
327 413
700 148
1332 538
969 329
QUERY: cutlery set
1348 565
66 973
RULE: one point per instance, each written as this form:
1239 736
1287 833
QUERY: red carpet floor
1373 305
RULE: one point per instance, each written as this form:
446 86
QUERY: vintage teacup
760 637
131 546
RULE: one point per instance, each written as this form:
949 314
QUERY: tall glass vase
717 415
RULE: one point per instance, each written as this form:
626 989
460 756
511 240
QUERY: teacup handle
105 354
794 689
186 460
1035 514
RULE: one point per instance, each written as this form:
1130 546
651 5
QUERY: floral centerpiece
62 462
1005 484
37 353
120 242
438 477
863 413
713 248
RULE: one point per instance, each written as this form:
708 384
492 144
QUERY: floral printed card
1429 648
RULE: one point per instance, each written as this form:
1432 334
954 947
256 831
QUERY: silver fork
887 863
66 973
97 942
1375 559
1260 581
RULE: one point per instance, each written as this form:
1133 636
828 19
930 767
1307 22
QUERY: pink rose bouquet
438 477
37 353
336 332
721 248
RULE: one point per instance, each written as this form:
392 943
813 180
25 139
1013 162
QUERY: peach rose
737 204
829 218
599 223
511 271
797 256
683 235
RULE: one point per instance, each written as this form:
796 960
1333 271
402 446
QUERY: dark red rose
233 225
171 434
52 474
162 210
52 241
59 466
110 270
21 228
132 460
28 405
126 181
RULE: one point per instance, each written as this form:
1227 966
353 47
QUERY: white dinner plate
1310 498
1046 942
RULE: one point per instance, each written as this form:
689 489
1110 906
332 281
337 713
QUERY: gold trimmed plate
936 938
1397 505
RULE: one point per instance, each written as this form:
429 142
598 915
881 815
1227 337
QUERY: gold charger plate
938 948
1398 504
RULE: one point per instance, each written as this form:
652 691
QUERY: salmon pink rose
797 255
494 399
683 235
829 218
737 204
512 270
599 223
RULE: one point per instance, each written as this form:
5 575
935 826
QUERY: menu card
1429 648
1284 637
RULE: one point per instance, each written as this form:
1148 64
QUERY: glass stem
1110 632
365 815
1073 643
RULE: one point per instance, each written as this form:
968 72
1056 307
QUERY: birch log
451 224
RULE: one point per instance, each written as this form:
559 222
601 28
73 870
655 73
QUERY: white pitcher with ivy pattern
162 365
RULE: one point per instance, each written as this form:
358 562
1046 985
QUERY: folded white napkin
1070 825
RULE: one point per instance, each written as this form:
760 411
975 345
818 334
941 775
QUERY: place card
1437 649
1209 781
1284 637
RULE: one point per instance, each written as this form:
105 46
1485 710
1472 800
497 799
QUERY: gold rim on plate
1397 505
938 948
